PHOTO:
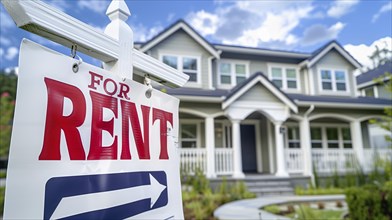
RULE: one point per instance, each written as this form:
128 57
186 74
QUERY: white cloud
94 5
1 52
341 7
142 34
170 17
385 8
362 52
4 41
252 23
11 53
319 33
206 23
61 5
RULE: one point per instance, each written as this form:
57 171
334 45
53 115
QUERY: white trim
210 72
188 30
233 79
199 98
331 115
271 153
284 78
343 52
334 91
196 122
268 85
180 57
311 82
47 20
193 112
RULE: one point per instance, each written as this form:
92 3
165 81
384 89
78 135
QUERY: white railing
192 159
294 160
331 160
223 161
372 155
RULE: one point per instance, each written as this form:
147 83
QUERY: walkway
249 208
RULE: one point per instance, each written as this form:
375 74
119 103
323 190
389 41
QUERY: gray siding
383 93
182 44
258 66
259 93
333 60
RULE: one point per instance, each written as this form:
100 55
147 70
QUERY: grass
303 211
320 214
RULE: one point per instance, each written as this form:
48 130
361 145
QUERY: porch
324 160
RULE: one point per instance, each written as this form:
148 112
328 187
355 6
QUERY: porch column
357 141
210 146
237 157
280 157
306 146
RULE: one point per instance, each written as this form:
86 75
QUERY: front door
248 148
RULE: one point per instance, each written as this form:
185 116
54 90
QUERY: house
259 111
369 86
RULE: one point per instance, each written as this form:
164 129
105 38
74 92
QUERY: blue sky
302 26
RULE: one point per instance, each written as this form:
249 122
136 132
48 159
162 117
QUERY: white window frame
375 91
288 141
334 90
325 141
180 58
284 78
198 131
233 74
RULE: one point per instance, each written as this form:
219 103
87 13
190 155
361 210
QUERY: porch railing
372 155
192 159
331 160
223 161
294 160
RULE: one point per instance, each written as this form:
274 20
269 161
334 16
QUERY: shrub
274 209
370 202
321 205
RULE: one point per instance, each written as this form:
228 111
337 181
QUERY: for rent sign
90 145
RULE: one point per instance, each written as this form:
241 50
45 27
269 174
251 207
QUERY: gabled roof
320 53
256 78
180 24
367 78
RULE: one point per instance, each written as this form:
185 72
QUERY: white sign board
89 145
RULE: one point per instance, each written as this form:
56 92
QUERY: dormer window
333 80
232 72
285 78
186 64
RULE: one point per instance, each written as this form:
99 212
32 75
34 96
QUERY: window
189 67
225 73
346 133
333 80
189 135
284 78
332 138
369 92
185 64
316 137
293 137
232 73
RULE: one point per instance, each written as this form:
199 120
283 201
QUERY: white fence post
118 13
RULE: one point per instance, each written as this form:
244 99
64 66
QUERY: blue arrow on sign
106 196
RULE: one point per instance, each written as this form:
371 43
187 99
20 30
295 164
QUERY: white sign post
87 143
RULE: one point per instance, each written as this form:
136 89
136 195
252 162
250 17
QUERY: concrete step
267 183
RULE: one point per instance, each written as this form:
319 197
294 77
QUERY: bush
274 209
370 202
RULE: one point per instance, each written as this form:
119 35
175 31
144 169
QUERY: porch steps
265 186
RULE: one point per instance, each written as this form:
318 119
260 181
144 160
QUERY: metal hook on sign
74 47
147 82
75 65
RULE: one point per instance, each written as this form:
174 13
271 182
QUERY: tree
7 104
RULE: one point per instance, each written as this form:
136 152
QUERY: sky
300 26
